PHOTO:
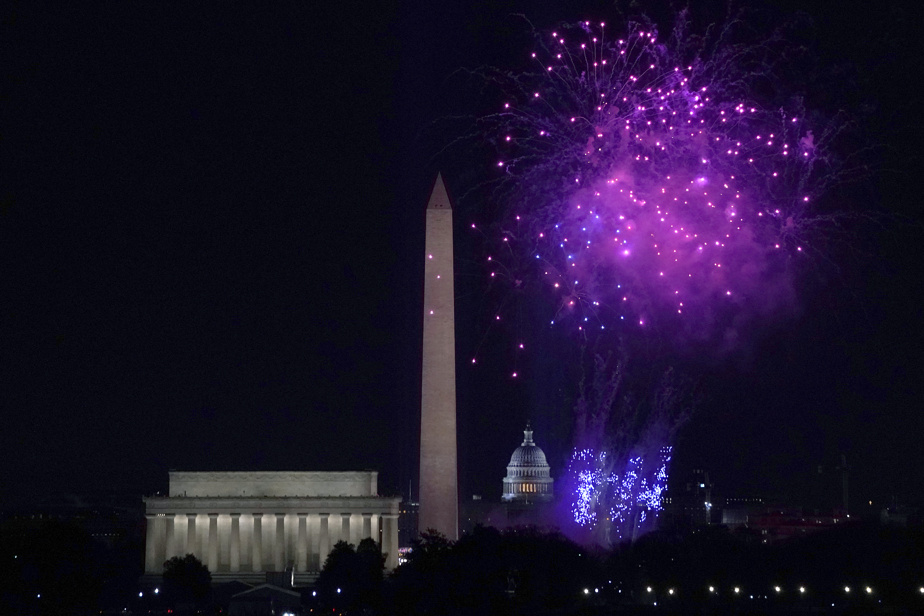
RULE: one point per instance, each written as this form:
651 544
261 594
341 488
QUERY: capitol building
528 495
528 477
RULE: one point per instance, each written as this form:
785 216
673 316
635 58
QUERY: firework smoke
648 186
619 469
651 185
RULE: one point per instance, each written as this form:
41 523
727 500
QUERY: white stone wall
293 532
275 484
251 522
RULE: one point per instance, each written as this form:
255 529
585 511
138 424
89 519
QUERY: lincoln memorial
242 525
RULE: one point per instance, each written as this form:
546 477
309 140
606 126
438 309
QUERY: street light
737 590
777 589
802 589
847 589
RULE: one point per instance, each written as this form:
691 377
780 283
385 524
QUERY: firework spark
628 500
648 187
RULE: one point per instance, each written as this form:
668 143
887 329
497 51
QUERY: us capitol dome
528 479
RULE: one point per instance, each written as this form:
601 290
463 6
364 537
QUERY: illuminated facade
242 525
528 478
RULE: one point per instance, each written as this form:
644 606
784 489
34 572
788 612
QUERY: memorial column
235 556
301 545
280 551
345 527
151 563
213 542
257 542
191 546
367 526
324 539
313 542
390 539
169 543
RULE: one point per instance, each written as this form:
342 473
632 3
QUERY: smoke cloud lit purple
649 187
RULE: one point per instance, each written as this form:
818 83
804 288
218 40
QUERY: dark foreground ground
51 567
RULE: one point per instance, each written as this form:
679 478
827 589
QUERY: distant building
528 493
484 512
772 521
736 511
777 523
689 505
408 515
528 477
115 519
251 526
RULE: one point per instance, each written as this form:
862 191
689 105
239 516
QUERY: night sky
211 244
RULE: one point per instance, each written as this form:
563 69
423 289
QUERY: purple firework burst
648 185
651 185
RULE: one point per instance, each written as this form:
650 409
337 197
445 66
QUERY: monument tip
439 198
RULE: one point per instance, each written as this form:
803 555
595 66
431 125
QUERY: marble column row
300 540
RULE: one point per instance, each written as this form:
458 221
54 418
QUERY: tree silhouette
352 577
522 570
187 579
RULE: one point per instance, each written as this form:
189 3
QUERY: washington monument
439 495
